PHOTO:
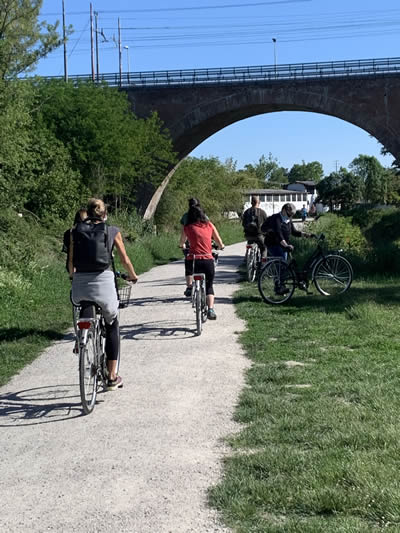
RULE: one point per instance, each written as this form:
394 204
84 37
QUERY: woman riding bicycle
91 283
199 231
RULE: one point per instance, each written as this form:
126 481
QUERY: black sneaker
188 292
282 290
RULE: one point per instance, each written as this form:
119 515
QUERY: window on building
282 197
304 197
262 197
269 197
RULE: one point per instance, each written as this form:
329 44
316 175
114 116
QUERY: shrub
341 233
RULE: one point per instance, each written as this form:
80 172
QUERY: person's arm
216 237
183 238
295 231
119 244
71 257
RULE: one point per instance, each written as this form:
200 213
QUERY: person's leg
208 268
188 276
112 348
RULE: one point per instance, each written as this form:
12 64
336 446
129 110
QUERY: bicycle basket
124 294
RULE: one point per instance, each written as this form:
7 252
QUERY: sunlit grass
318 447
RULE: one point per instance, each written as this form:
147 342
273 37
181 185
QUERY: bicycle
331 274
253 261
91 341
199 299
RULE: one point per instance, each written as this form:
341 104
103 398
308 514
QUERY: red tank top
199 235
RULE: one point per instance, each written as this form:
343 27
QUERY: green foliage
216 185
118 156
373 176
266 173
340 188
24 40
341 233
306 172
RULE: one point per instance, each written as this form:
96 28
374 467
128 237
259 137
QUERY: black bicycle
331 274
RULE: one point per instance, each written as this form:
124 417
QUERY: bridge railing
262 73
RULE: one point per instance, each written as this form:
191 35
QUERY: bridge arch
192 114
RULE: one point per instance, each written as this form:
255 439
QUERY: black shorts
202 266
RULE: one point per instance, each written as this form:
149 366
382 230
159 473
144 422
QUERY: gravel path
143 460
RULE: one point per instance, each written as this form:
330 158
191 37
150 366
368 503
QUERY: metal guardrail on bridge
235 75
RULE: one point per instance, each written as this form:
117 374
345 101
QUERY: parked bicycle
199 299
254 261
90 343
331 274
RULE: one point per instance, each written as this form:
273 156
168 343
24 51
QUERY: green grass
318 446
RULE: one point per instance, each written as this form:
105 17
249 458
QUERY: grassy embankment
318 448
34 286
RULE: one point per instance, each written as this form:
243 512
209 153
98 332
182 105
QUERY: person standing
303 213
278 229
252 221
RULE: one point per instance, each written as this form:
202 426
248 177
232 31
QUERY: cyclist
93 284
192 202
278 229
199 231
252 220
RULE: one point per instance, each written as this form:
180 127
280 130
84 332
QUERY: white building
298 193
272 200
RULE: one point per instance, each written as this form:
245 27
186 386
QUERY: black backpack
251 224
92 251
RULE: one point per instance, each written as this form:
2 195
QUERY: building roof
265 191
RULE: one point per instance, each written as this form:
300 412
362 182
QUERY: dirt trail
143 460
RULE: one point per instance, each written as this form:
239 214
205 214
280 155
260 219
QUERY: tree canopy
23 39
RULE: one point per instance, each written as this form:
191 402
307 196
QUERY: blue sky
181 34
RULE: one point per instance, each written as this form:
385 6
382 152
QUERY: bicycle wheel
332 275
203 304
88 373
199 322
251 266
276 281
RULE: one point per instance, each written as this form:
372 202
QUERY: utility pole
274 41
96 14
119 52
65 44
91 41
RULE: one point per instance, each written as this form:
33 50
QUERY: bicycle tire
199 322
251 266
276 275
88 374
332 275
204 308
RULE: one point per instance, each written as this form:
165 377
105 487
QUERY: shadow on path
40 405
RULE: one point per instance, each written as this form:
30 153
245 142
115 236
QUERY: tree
24 40
372 174
267 173
217 185
119 157
340 188
306 172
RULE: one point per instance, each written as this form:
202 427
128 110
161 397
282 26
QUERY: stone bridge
195 104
